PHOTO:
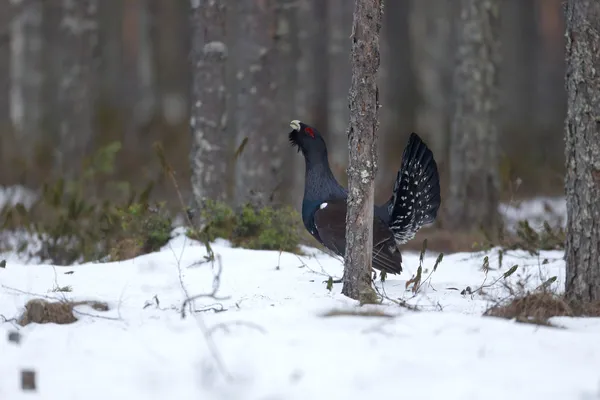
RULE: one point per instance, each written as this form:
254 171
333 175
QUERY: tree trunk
210 144
364 105
139 86
258 167
307 88
75 53
474 181
26 77
5 18
340 75
582 131
171 78
430 28
287 48
397 91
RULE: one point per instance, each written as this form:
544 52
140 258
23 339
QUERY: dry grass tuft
538 307
40 311
126 249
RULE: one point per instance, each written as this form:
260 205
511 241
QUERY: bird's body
414 202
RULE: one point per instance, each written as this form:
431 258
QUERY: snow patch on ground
269 340
536 211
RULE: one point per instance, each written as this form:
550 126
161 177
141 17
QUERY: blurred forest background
80 76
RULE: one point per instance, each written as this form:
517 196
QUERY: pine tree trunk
287 48
211 147
582 151
258 166
76 58
364 105
430 28
397 94
340 75
474 181
5 18
26 76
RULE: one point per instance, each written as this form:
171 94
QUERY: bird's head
307 139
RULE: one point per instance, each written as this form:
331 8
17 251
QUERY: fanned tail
416 196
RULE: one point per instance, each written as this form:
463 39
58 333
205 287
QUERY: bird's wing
330 222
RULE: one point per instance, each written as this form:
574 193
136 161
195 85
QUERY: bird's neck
320 183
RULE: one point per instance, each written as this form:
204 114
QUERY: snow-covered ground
268 335
271 339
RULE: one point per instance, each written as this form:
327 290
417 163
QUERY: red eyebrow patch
310 132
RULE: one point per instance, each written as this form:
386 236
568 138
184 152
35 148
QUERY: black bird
414 202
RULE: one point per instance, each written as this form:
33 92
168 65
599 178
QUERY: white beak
295 124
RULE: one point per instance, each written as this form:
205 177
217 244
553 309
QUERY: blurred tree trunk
73 29
430 28
582 133
320 25
340 75
398 91
5 122
549 91
518 136
473 197
210 144
139 86
111 91
364 106
171 43
287 50
259 165
26 77
307 86
5 50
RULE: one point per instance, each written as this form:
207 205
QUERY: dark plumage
414 202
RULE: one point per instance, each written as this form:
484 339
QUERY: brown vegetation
40 311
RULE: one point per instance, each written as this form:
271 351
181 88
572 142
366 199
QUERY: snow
271 340
266 336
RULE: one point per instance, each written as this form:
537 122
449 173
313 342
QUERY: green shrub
71 224
266 228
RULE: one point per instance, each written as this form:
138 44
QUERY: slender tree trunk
307 87
76 47
210 144
5 18
26 76
340 75
398 93
582 131
431 26
6 128
169 45
287 78
110 23
474 181
321 70
259 165
364 105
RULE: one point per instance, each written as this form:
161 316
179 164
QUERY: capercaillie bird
414 202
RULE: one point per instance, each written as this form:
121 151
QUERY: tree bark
287 48
5 18
398 93
364 105
210 144
75 54
582 131
474 180
430 28
258 166
340 75
26 76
